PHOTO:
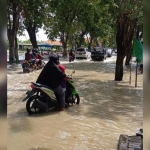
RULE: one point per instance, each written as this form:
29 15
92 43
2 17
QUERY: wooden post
136 75
130 75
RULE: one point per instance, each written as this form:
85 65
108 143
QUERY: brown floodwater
107 109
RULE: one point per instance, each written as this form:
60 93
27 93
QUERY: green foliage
75 19
33 12
61 17
72 20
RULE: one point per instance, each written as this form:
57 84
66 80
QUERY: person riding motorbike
29 57
52 77
39 58
71 55
35 56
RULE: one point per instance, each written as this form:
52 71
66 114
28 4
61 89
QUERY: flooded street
107 109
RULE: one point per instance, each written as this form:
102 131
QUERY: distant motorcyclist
39 57
38 54
35 57
71 55
29 57
52 77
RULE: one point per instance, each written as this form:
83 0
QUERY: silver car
82 53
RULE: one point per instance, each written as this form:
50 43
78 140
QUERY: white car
82 53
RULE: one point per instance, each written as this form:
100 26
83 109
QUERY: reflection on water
107 109
21 55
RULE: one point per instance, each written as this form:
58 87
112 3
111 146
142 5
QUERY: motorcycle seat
40 85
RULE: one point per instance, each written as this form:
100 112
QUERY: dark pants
60 95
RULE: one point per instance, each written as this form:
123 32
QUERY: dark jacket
34 55
51 75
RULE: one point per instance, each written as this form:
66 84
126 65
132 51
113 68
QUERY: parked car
82 53
109 52
98 53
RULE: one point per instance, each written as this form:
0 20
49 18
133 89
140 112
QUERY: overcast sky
40 36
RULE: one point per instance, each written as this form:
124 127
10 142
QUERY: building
44 45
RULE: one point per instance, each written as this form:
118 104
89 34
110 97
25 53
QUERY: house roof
57 43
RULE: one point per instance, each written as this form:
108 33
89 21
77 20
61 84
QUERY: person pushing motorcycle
53 77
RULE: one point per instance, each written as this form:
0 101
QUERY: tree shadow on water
108 100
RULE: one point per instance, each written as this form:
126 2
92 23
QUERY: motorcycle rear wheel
31 104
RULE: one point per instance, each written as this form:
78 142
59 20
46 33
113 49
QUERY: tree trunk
72 42
64 40
16 50
120 49
119 68
80 41
120 56
12 29
64 48
90 43
130 31
11 51
11 44
75 40
128 56
125 32
10 34
96 42
32 34
81 38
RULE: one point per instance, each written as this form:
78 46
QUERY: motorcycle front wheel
32 104
76 99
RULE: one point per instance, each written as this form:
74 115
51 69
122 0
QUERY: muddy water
107 109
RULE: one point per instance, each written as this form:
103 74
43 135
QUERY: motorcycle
71 58
29 66
42 98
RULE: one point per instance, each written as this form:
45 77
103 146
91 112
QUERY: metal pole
130 75
136 75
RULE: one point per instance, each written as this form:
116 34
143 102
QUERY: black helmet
28 50
54 59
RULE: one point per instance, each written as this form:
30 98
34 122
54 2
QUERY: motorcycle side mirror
73 71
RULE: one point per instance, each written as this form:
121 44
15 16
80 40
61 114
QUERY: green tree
62 20
97 22
127 14
33 15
